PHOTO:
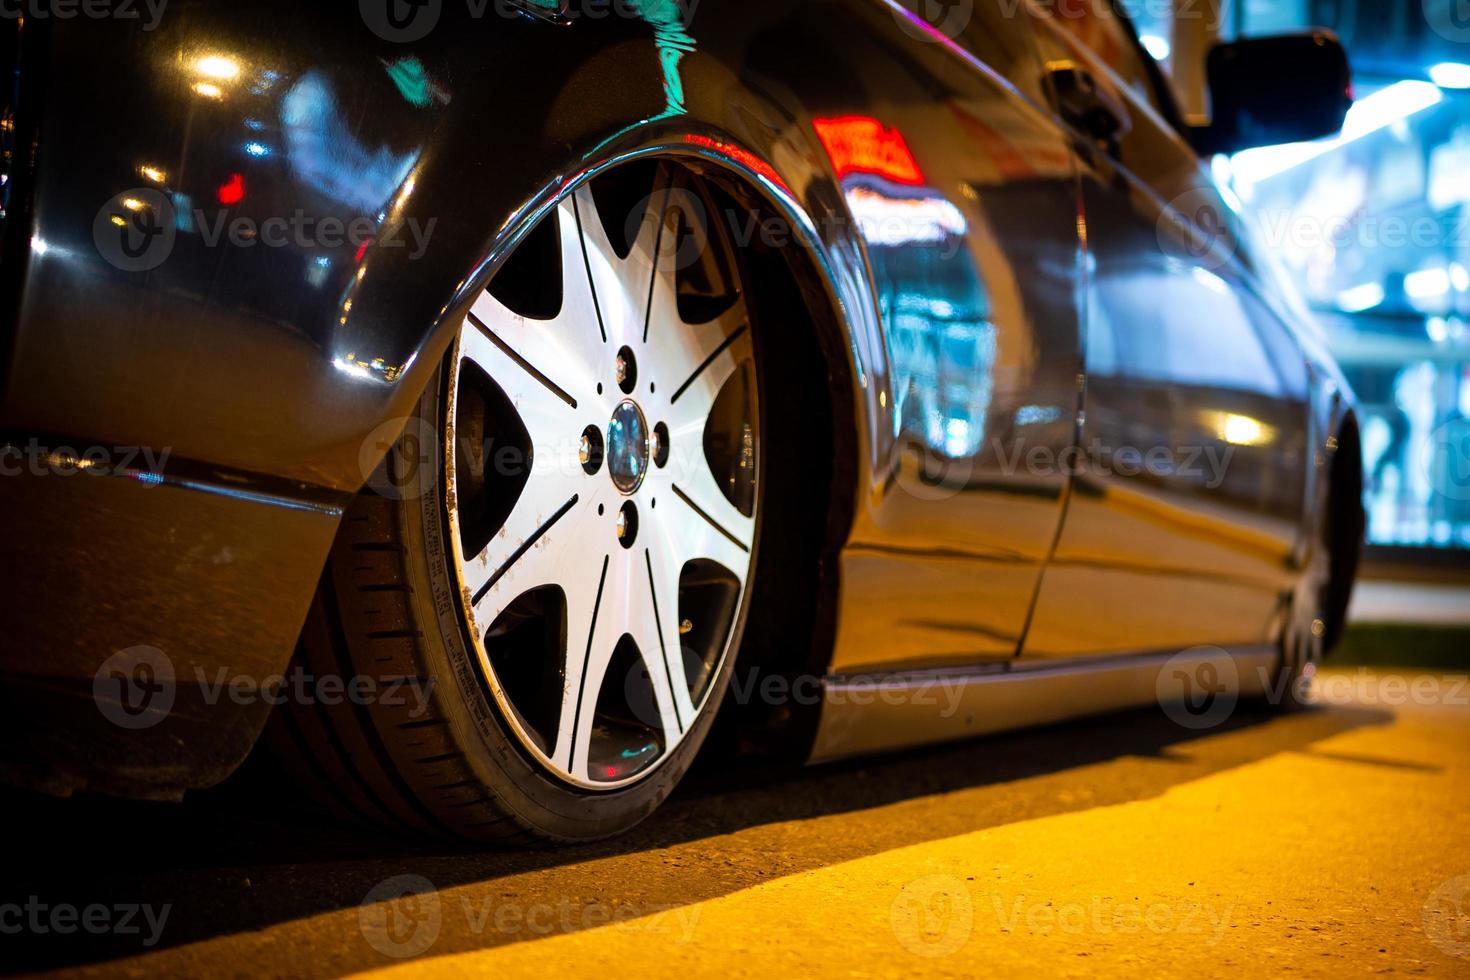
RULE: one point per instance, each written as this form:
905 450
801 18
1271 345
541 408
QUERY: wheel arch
809 352
792 626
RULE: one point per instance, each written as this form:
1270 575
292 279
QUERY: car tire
613 439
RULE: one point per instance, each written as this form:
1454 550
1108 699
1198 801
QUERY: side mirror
1285 89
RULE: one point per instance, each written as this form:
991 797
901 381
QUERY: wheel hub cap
627 447
576 584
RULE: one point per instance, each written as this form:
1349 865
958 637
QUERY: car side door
963 190
1190 481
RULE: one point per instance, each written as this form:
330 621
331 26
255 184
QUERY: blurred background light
1157 46
1450 74
1360 298
1372 228
1382 109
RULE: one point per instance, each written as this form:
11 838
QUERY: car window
1094 25
1285 351
1188 328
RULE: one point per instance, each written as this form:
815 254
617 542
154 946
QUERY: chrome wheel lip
603 405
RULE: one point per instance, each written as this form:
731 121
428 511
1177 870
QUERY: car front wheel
555 560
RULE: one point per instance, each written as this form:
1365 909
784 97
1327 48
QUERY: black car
477 397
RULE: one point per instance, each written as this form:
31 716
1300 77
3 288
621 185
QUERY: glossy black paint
980 325
970 295
186 588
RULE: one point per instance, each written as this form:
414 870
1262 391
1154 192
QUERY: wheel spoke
580 319
622 286
546 406
658 640
695 359
621 607
537 547
703 506
562 354
709 528
588 654
688 414
699 357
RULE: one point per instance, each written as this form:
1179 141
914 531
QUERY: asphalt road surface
1333 842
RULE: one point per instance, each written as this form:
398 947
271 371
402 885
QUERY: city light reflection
218 66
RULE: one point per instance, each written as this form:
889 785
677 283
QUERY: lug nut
659 445
628 525
590 450
627 370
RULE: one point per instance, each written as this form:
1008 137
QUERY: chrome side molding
864 713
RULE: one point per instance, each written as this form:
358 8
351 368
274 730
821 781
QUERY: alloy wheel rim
620 519
1307 627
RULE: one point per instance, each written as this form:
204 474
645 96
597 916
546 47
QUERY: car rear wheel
558 551
1303 641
